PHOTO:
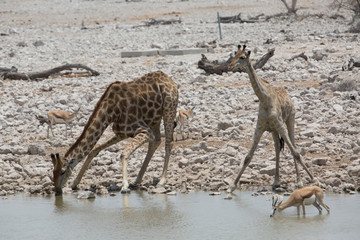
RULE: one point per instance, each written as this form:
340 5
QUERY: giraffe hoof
231 189
125 191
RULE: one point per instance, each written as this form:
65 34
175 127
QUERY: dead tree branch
301 55
14 75
216 67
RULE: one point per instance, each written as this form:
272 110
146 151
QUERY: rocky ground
39 35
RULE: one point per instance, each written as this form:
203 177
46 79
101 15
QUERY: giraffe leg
258 133
153 145
277 159
284 134
168 118
290 124
137 141
90 157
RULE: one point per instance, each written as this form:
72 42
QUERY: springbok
183 116
60 117
301 197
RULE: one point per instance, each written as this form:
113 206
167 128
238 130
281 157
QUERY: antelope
60 117
301 197
181 115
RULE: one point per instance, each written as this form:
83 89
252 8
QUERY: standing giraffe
135 109
276 115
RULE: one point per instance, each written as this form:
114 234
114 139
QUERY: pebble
85 195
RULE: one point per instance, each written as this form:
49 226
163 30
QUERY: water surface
184 216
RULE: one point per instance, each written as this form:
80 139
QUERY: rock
183 162
85 195
334 182
352 131
3 193
157 190
318 54
320 161
356 150
269 170
34 149
308 133
5 149
224 124
156 45
354 171
338 108
38 43
347 187
113 187
334 130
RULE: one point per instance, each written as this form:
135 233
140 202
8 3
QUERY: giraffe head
240 60
60 173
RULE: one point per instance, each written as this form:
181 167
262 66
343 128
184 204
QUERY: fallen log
216 67
301 55
153 21
14 75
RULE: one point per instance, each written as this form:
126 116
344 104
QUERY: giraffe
135 110
276 115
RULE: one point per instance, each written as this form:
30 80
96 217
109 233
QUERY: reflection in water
185 216
154 211
59 204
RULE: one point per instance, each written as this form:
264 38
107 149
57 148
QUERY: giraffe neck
260 88
98 122
87 140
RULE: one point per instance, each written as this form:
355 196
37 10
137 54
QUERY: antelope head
276 201
61 173
240 60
